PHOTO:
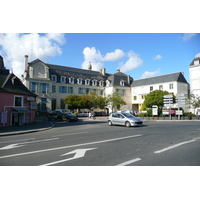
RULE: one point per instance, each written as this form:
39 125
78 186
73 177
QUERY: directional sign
78 154
168 96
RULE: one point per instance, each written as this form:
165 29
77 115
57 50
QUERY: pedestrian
89 114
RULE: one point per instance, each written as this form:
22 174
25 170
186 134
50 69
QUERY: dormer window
122 82
94 82
54 78
71 80
63 79
101 83
107 83
87 82
79 81
196 62
15 81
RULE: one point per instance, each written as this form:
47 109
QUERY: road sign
168 96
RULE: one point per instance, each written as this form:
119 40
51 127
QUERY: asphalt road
94 143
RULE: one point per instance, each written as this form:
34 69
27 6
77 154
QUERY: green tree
115 100
155 98
74 101
193 101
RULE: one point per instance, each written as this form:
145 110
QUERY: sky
140 55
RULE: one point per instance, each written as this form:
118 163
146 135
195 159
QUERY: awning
21 109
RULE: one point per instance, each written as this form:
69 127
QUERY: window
70 90
62 89
171 86
43 104
134 98
151 88
160 87
101 83
80 90
62 104
79 81
196 62
54 78
44 88
94 82
53 104
18 101
122 82
71 80
107 83
53 88
87 82
63 79
33 87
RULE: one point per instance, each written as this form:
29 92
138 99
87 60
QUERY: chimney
90 66
1 63
26 63
128 79
118 70
103 71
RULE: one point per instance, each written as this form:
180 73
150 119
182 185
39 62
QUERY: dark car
56 115
70 117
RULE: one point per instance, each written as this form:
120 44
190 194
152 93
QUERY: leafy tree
115 100
155 98
74 101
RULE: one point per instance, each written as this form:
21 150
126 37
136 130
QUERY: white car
82 114
124 119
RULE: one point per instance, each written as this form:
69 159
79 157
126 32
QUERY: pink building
17 103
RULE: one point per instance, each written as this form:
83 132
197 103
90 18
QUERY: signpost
181 102
168 101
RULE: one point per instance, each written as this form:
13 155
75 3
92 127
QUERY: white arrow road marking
78 154
65 147
129 162
12 146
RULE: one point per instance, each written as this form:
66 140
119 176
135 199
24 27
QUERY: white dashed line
129 162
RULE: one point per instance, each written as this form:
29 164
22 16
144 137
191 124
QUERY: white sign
179 112
154 111
168 96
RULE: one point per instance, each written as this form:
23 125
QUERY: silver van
125 119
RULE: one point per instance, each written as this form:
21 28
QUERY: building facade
17 103
194 72
52 83
173 83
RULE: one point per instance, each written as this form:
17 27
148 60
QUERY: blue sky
140 55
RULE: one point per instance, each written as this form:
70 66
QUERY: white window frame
54 77
71 80
87 81
94 82
122 82
63 79
79 81
101 83
171 86
107 83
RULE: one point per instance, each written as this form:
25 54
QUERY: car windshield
128 115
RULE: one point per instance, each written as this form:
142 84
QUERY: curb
27 131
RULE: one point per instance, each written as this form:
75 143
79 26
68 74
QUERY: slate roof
197 58
178 76
10 83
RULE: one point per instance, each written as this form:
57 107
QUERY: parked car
125 119
82 114
70 117
56 115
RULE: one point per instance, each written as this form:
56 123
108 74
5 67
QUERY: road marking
18 140
69 134
129 162
174 146
11 146
79 153
65 147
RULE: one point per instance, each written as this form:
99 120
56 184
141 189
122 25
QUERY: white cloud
95 57
157 57
188 36
113 56
133 62
148 74
13 47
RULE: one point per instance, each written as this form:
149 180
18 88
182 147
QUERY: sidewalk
39 125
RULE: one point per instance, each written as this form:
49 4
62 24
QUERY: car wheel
110 123
127 124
